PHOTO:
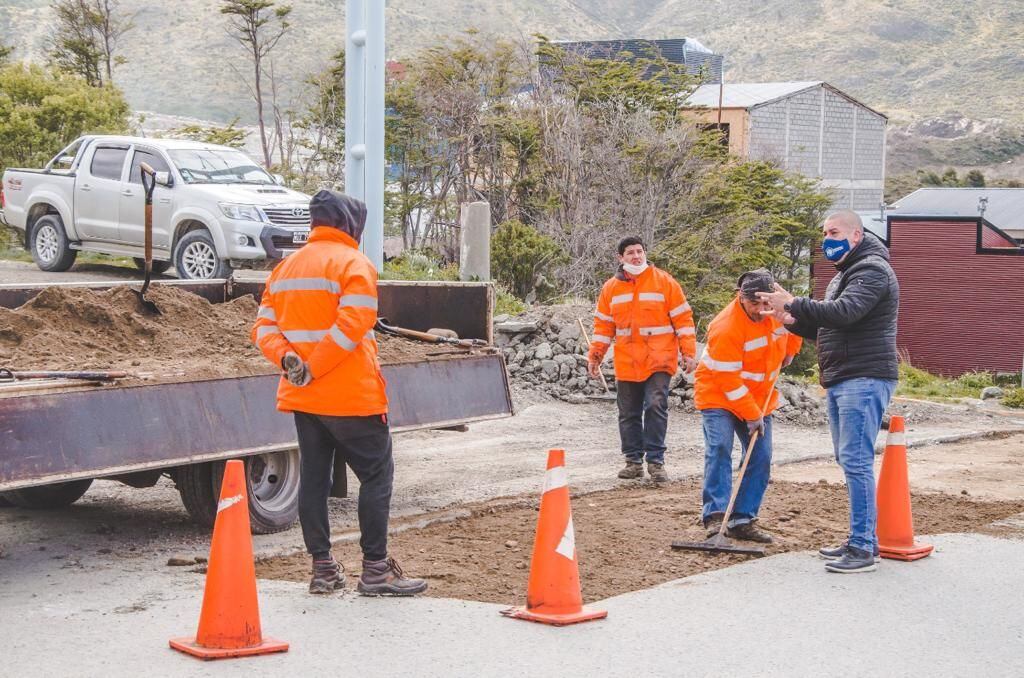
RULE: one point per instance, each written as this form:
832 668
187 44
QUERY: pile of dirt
623 538
83 329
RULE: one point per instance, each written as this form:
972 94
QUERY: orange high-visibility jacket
321 303
741 359
650 322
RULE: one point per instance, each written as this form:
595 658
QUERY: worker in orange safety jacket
745 352
642 311
315 322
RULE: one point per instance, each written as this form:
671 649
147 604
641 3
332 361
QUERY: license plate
300 237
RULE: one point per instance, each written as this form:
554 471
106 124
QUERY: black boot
327 576
385 577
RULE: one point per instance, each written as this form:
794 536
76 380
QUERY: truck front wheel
272 484
195 257
49 244
54 496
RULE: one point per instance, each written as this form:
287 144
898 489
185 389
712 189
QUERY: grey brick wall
845 150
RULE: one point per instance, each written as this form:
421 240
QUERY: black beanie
340 211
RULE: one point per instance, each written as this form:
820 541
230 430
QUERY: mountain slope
908 58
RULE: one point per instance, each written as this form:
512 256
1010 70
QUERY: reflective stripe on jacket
321 303
650 322
740 360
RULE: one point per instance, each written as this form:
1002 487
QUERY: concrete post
475 241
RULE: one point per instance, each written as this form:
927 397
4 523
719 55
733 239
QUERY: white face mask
634 269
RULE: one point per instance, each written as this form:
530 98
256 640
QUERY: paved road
951 614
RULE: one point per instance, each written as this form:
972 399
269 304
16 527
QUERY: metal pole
373 237
355 98
721 93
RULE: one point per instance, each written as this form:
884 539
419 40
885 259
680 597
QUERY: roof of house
1004 210
753 94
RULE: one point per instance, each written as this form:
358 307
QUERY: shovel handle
604 382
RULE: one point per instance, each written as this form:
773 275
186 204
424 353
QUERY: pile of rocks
545 351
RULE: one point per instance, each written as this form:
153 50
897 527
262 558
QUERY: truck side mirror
279 179
164 179
66 161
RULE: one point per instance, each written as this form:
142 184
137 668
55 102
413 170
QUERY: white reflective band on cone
555 478
897 438
567 545
228 502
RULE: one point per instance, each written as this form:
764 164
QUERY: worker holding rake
744 355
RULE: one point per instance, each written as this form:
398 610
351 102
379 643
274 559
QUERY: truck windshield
204 166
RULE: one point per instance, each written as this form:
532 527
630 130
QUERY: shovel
148 186
720 543
383 326
604 382
10 375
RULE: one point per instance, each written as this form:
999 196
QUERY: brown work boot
749 532
385 577
327 577
657 472
713 524
633 471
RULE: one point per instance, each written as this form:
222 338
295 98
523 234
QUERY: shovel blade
148 306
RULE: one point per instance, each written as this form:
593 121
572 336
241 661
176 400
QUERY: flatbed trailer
55 442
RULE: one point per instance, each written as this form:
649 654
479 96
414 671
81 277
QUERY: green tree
257 25
974 179
42 110
227 135
323 126
522 258
745 215
86 37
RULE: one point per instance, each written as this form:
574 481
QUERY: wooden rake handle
604 382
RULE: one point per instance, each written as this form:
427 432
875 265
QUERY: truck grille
288 216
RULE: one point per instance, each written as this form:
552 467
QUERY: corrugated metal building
961 282
806 127
1001 207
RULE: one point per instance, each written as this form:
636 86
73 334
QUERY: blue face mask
835 249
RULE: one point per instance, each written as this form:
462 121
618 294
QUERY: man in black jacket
855 330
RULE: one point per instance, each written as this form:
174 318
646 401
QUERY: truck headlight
241 212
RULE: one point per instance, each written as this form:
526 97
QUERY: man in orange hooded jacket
643 311
315 322
736 396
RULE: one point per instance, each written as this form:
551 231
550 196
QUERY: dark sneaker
657 472
749 532
385 577
327 577
632 471
836 552
713 524
852 561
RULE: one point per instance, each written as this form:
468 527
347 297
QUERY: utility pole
364 117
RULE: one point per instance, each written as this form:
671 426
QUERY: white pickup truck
214 209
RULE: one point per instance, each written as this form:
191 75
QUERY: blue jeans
721 427
643 417
855 409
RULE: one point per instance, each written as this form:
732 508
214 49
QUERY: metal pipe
373 236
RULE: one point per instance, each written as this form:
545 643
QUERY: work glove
756 425
296 371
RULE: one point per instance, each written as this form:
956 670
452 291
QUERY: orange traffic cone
553 592
895 521
229 624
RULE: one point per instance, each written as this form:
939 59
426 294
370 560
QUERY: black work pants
643 417
364 443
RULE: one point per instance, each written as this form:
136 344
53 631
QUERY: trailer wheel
54 496
272 484
49 245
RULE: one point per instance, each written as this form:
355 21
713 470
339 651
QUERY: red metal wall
959 310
